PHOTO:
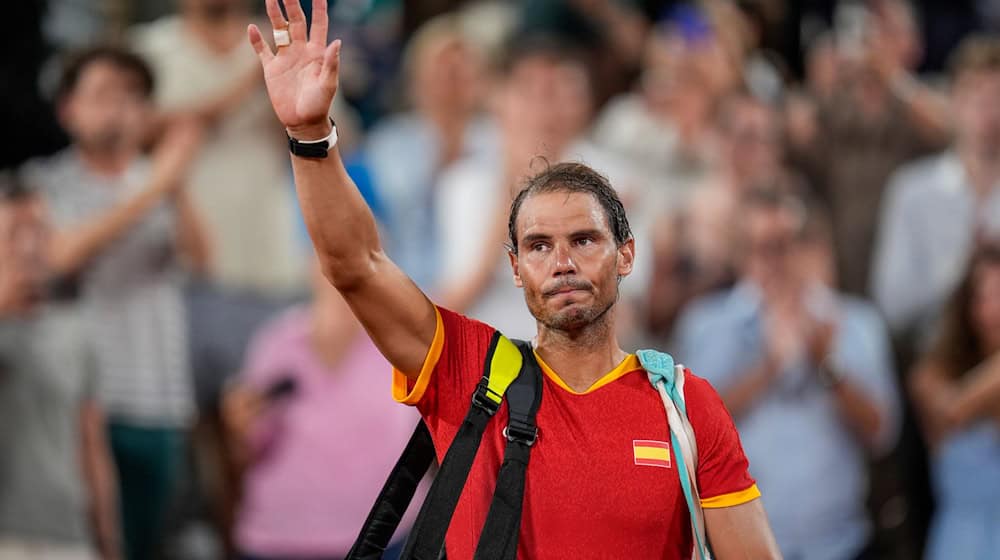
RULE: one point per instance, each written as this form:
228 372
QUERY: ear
515 269
626 258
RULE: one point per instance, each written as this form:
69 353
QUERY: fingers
331 67
317 34
296 20
274 14
262 49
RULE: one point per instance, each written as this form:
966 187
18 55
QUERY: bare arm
71 249
741 395
100 480
860 411
301 80
741 532
192 239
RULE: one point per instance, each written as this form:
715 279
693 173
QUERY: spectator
56 475
543 104
806 373
879 117
694 245
406 153
306 493
122 223
936 207
956 389
240 179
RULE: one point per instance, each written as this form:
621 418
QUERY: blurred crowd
814 188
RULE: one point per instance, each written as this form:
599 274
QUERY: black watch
315 148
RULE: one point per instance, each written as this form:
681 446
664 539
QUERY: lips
566 289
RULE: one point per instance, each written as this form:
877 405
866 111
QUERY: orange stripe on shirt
407 391
732 499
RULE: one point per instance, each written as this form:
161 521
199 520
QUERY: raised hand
301 77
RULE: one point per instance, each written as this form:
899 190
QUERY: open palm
301 78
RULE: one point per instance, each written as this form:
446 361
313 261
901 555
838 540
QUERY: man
56 475
542 102
586 496
879 117
239 174
938 206
123 227
805 371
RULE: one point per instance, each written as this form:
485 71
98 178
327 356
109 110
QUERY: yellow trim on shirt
628 365
401 390
732 499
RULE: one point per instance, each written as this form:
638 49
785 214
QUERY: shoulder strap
503 364
498 540
668 380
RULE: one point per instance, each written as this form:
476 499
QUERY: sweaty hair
573 178
122 59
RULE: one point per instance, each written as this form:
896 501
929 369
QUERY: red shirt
598 484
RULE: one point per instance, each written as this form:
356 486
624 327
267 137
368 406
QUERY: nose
564 261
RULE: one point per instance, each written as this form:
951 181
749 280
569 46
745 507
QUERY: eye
584 241
539 246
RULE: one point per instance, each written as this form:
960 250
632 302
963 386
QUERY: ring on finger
281 37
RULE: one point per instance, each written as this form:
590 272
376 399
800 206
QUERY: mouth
563 291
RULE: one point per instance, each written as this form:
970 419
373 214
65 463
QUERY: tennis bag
510 371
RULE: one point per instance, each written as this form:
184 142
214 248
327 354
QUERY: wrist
311 131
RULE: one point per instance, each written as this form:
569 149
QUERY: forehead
104 75
553 213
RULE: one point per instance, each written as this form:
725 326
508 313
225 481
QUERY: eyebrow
592 232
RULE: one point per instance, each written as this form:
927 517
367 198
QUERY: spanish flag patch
651 453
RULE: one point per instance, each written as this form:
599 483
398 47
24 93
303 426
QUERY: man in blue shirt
806 373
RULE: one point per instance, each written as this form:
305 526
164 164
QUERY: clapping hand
301 77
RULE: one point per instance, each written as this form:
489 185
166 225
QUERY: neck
105 162
582 356
982 168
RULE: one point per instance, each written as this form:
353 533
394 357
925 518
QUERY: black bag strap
499 537
426 540
395 496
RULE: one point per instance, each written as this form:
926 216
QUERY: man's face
447 78
568 262
771 248
107 110
977 111
545 102
754 141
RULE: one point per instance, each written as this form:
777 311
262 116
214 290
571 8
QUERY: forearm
73 248
342 228
980 395
742 395
100 480
861 413
192 239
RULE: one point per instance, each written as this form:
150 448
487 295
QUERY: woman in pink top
314 431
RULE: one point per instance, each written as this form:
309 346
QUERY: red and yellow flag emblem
651 453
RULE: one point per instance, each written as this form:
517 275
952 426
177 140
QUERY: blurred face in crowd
753 140
446 78
107 110
771 248
24 235
546 103
821 67
215 9
977 111
985 304
568 262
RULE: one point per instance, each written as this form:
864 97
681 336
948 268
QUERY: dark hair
573 178
956 348
520 47
118 57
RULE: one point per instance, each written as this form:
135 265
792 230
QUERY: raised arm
301 80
